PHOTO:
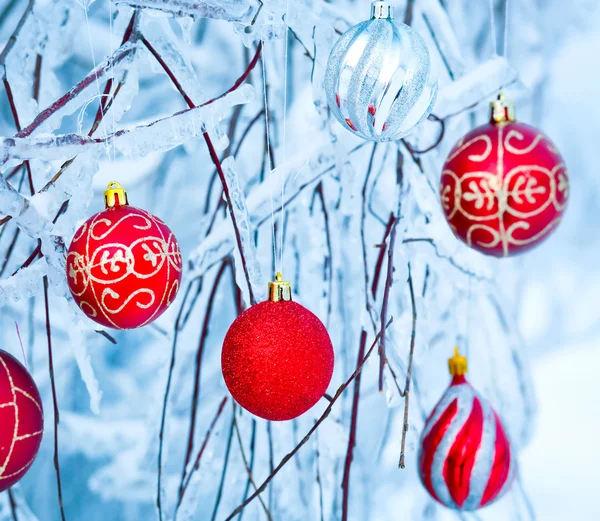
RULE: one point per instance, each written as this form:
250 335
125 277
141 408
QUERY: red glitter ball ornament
21 420
465 458
123 265
504 186
277 357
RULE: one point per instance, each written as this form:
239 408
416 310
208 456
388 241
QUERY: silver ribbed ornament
378 80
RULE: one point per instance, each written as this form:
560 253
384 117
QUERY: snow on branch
230 10
475 87
158 136
298 174
62 106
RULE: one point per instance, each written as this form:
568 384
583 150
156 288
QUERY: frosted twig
381 256
406 394
435 144
245 460
389 280
196 465
225 466
251 464
9 251
321 419
196 392
13 108
408 13
235 11
12 40
174 130
328 259
122 53
13 505
54 400
353 425
363 217
428 240
163 419
211 149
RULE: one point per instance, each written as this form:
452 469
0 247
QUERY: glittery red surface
124 267
21 420
277 360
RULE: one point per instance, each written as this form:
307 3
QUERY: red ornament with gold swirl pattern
123 265
21 420
504 186
465 458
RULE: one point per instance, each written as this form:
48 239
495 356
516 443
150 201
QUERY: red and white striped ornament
465 458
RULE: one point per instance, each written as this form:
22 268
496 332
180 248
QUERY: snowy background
530 325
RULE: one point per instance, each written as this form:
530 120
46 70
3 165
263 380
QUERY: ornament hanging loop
502 109
115 195
382 10
279 289
457 365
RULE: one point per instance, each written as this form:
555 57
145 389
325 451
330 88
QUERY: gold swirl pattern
503 188
16 458
124 267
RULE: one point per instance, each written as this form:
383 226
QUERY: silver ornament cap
378 79
382 10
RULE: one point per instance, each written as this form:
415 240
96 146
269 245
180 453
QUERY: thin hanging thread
285 77
493 28
468 332
112 108
506 12
264 74
87 23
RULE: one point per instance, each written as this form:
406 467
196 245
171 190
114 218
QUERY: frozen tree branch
230 10
54 401
58 108
411 353
12 40
138 142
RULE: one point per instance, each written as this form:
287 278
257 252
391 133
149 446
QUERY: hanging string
112 109
506 13
269 166
468 332
285 77
493 28
85 6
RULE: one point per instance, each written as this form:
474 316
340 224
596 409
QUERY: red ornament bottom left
21 420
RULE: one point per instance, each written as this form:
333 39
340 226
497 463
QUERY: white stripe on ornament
484 459
464 394
447 398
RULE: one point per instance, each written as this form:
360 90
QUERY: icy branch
249 263
230 10
158 136
59 107
475 87
298 174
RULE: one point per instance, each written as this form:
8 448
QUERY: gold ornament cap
279 289
502 109
381 10
457 364
115 195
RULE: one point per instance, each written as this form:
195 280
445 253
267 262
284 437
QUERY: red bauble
123 265
504 186
277 360
465 457
21 420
